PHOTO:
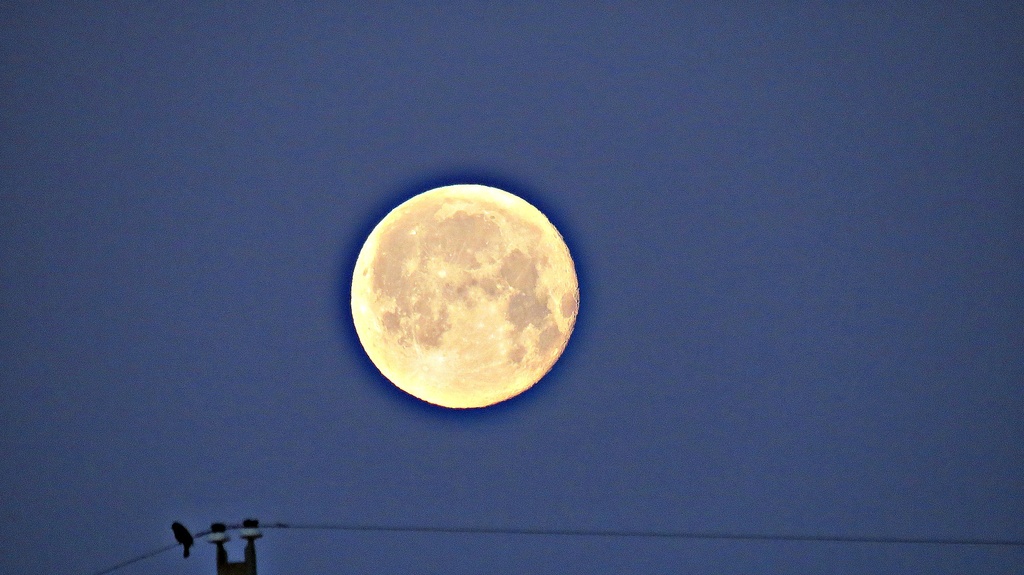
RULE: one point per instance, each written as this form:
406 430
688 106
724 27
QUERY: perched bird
182 535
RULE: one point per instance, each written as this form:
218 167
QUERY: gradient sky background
798 231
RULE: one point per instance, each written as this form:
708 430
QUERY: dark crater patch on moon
519 271
461 239
525 309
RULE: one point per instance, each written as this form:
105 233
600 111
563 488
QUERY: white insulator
251 533
217 537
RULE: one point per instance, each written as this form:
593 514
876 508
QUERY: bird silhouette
182 535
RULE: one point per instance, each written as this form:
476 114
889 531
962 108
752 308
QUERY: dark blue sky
798 231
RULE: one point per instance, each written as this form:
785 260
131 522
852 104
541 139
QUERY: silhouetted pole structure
250 532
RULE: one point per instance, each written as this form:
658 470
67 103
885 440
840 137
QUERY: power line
153 553
693 535
652 534
136 559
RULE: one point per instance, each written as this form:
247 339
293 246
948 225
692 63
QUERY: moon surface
464 296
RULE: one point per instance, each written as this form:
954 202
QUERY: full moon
464 296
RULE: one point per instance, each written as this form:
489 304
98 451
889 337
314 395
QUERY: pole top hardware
218 533
250 529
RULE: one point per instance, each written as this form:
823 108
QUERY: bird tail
186 551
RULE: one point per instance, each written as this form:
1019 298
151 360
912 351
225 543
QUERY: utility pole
250 532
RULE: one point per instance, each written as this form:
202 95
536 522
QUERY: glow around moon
464 296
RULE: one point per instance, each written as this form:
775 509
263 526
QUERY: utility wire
696 535
136 559
154 552
650 534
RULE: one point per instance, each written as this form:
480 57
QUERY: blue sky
797 230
